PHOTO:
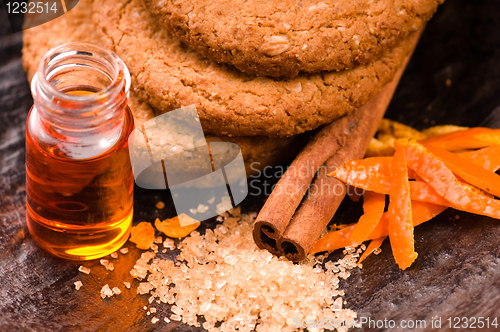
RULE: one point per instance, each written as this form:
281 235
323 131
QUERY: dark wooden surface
457 273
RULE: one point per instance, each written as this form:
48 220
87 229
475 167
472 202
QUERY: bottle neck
80 93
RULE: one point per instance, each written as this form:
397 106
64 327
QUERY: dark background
453 78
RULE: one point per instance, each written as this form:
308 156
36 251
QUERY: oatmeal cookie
169 75
280 38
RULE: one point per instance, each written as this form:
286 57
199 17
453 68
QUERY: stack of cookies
260 72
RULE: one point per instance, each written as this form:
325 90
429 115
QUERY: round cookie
169 75
279 38
257 151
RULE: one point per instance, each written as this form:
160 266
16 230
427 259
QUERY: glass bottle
79 180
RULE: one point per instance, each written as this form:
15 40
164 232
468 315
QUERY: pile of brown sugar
226 280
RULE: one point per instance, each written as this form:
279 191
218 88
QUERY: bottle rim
119 77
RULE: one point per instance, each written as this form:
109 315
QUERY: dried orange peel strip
488 158
434 172
400 215
373 206
172 227
421 213
419 190
374 173
354 175
143 235
370 174
334 240
474 138
468 171
463 180
372 247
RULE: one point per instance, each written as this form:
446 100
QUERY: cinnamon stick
320 204
293 185
342 140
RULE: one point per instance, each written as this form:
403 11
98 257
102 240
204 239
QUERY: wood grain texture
457 272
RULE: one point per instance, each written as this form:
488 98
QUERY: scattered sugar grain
127 284
377 251
158 239
225 278
84 269
116 290
169 244
224 205
152 310
109 266
114 255
154 247
176 318
78 284
154 320
166 320
124 250
144 288
202 208
106 291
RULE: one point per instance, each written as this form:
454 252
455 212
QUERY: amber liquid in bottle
79 181
60 190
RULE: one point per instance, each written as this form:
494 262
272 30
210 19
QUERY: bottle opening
80 76
80 81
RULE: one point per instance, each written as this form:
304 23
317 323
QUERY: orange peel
143 235
172 227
